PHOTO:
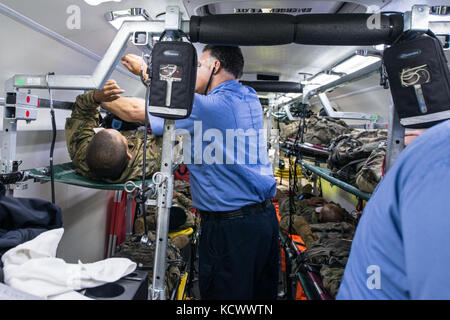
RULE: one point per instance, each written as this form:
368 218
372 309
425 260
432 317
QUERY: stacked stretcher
319 236
355 157
183 229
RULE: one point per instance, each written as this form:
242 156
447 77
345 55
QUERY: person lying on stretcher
103 154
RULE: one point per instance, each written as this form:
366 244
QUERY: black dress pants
239 257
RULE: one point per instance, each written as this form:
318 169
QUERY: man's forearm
127 109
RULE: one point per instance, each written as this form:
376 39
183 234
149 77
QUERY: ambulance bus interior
345 88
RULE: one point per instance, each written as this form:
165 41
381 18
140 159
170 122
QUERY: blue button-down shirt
227 158
400 249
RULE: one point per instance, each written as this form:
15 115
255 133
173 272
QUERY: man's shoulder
434 144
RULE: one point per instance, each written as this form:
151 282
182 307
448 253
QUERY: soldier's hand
134 64
110 92
175 194
316 201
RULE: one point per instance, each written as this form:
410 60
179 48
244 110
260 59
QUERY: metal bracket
289 114
17 106
372 118
173 18
417 19
104 68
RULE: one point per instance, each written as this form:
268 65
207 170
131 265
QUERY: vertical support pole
164 181
9 138
269 123
395 139
129 215
165 193
9 141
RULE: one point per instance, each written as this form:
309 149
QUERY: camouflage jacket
302 208
79 132
371 172
350 151
322 130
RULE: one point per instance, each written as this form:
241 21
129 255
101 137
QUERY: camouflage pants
300 226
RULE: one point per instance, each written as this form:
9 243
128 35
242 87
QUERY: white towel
32 267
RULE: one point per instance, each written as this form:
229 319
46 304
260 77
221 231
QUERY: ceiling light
320 80
355 63
116 18
97 2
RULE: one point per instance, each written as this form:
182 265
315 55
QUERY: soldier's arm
185 202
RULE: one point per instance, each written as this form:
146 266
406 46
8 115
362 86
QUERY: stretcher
65 173
308 283
121 211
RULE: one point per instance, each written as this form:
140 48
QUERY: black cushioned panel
274 86
277 29
245 30
346 29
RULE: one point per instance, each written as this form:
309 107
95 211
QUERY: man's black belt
234 214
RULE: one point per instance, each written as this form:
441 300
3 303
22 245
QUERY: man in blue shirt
400 247
231 177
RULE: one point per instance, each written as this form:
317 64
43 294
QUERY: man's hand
411 135
134 64
110 92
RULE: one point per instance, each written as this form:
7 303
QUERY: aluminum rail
355 76
103 70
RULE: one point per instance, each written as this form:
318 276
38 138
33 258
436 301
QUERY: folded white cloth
33 268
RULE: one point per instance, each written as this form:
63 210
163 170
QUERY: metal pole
269 123
395 138
129 214
105 67
164 180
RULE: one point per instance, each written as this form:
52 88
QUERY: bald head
106 154
331 213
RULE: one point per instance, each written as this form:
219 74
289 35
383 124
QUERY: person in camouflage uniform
322 130
182 208
143 255
319 130
83 143
350 151
288 130
327 231
371 172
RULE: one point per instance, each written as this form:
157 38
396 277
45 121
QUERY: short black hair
106 156
230 58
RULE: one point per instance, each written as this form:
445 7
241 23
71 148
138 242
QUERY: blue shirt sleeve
208 108
156 124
